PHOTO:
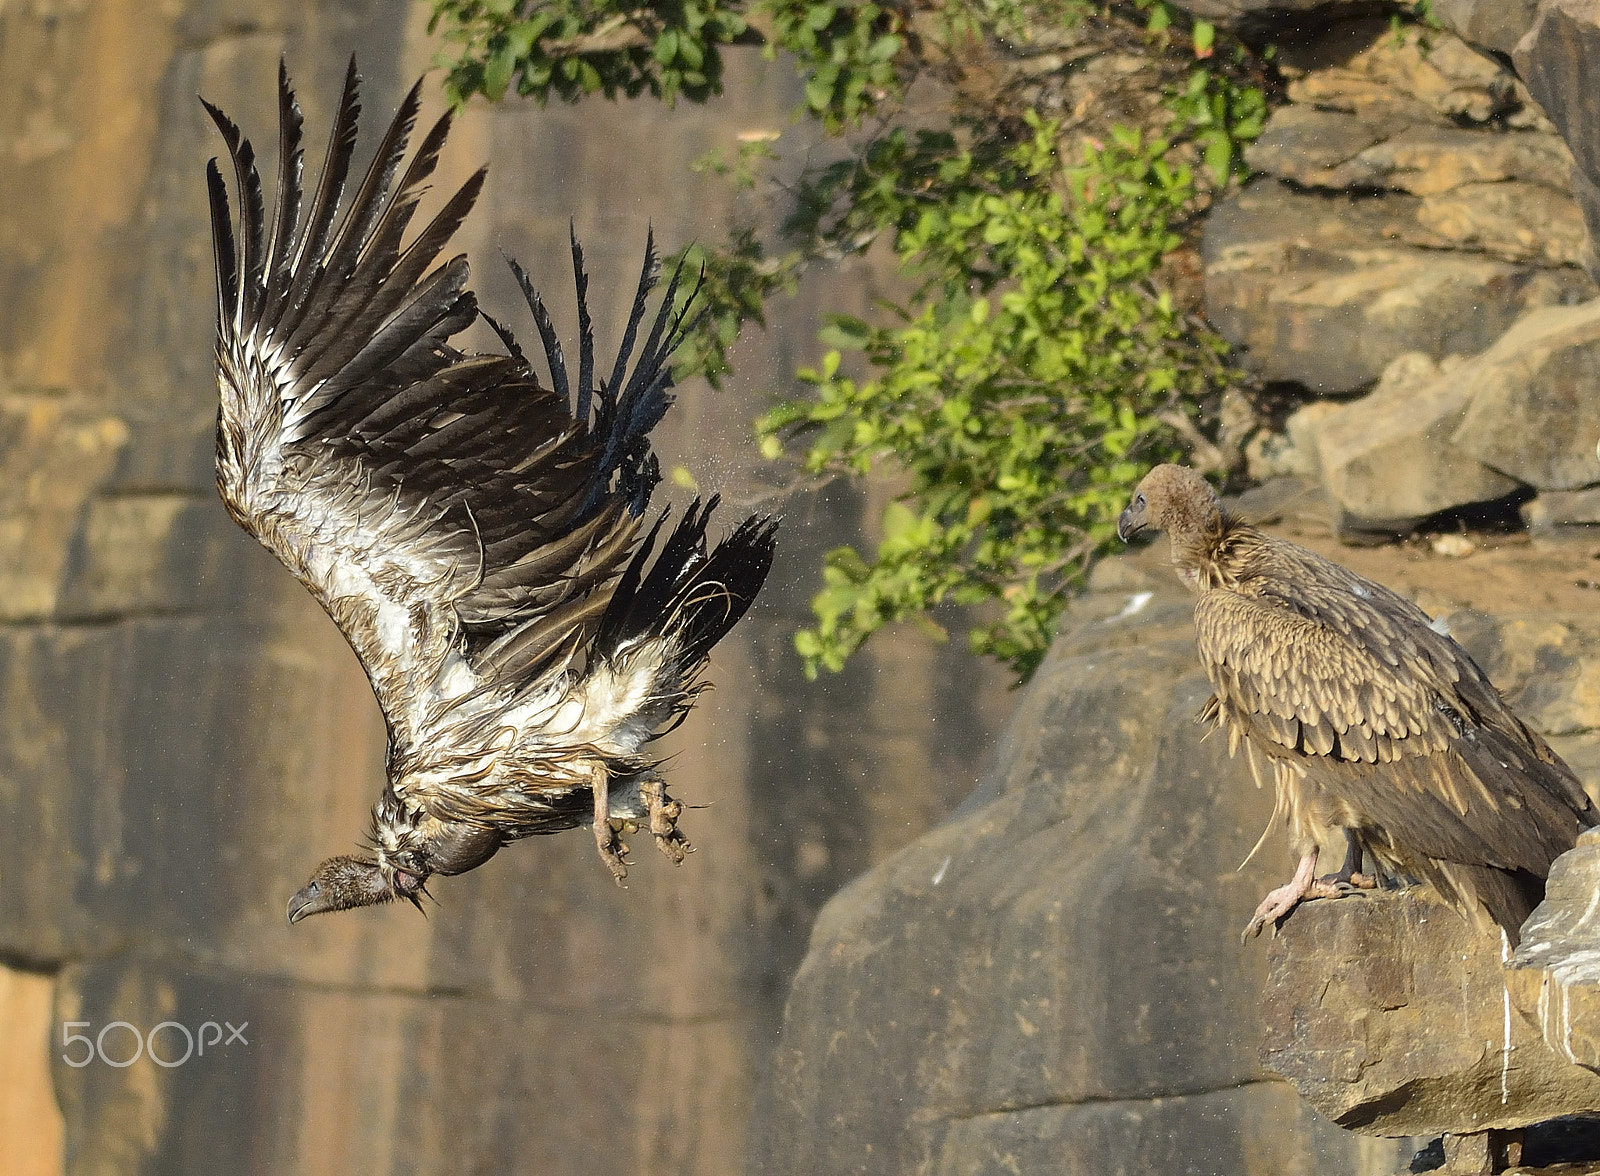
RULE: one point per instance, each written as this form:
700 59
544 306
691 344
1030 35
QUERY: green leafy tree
1040 363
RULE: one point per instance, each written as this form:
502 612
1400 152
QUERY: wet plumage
1366 715
478 538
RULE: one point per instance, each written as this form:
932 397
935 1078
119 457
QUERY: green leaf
497 75
819 93
666 47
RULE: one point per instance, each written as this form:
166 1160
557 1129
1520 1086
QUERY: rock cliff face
185 735
1418 237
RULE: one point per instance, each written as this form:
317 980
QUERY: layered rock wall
185 735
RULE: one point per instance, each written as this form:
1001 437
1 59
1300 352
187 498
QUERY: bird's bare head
1169 498
343 883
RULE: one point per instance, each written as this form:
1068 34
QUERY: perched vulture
1373 721
476 536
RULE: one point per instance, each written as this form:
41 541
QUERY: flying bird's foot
606 838
664 814
613 850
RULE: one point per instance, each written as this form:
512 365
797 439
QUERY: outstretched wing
461 524
1352 682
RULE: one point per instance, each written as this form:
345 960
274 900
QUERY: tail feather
1508 896
694 597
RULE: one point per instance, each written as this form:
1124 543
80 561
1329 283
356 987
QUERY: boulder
1386 459
1534 396
1052 980
1563 508
1260 15
1322 148
1554 976
1420 76
1390 1014
1323 290
1525 412
1494 24
1513 220
1559 58
1293 452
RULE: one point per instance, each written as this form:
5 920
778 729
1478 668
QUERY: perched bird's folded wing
1424 746
1312 689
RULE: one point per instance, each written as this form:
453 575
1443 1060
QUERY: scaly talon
664 814
606 839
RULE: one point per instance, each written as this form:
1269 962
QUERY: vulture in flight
477 536
1372 720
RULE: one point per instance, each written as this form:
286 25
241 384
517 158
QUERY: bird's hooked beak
343 883
1133 519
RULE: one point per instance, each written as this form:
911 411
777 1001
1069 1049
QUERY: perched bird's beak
1127 525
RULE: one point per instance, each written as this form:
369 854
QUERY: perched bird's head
1169 498
344 882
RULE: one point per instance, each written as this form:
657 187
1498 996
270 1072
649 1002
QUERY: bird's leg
1278 903
664 814
1349 876
607 840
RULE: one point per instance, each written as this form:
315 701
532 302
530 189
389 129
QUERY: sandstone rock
1390 1015
1563 508
1421 76
1269 13
1558 58
1315 147
1513 220
1320 290
1386 459
441 1077
143 553
1534 399
1429 160
30 1120
1494 24
1332 149
1554 976
1293 453
185 734
1053 976
55 452
1548 668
